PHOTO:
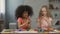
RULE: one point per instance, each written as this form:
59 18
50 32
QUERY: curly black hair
20 10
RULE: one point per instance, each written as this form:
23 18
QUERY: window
2 6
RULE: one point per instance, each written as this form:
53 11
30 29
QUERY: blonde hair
48 13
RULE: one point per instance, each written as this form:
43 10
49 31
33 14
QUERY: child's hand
27 21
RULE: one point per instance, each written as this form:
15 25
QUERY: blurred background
8 7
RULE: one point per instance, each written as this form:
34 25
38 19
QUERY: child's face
44 11
25 14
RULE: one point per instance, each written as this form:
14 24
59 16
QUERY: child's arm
49 21
39 24
22 25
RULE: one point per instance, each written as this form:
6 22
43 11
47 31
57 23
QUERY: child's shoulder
50 18
39 17
19 19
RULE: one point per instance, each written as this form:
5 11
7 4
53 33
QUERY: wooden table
11 31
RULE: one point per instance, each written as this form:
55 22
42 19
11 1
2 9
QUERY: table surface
17 31
31 31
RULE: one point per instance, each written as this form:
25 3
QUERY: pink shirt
45 24
22 22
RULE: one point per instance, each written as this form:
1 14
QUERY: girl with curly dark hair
23 13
